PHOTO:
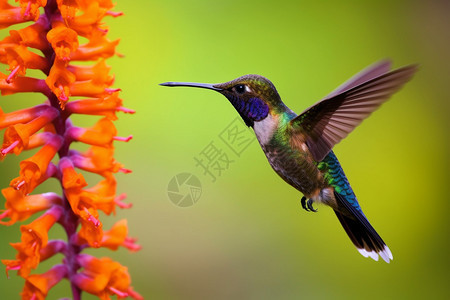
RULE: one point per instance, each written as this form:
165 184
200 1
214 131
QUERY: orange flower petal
59 81
101 134
20 56
37 286
34 36
33 170
101 107
89 21
14 52
91 227
102 195
20 206
97 47
103 278
22 85
34 237
37 231
63 39
68 8
70 178
30 8
98 160
99 73
10 15
89 89
23 115
108 4
118 236
22 132
20 183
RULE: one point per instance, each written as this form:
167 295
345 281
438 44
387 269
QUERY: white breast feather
265 129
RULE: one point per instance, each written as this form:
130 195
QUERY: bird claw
310 203
304 203
307 205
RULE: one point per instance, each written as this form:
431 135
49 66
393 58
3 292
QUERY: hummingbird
299 147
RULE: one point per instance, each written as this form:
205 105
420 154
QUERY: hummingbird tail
361 233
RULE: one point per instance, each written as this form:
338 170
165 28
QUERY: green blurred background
247 236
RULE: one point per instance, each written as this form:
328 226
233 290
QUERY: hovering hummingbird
299 147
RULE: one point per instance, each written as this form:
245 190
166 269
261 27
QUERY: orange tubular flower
37 286
22 116
98 160
50 44
10 15
63 39
20 206
104 278
34 238
102 195
73 182
97 73
21 85
97 47
101 134
118 236
31 7
17 136
19 58
107 107
33 170
59 81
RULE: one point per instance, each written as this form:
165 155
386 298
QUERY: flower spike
50 45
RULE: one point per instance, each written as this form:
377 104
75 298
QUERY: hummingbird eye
240 88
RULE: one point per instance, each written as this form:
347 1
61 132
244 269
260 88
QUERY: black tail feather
359 230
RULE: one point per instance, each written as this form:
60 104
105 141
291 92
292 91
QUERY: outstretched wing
329 121
372 71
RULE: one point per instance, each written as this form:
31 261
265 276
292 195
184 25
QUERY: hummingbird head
253 96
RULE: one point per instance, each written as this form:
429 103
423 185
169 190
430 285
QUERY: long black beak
192 84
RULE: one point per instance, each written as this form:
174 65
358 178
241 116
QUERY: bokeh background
247 236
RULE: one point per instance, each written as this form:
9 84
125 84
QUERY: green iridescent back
334 175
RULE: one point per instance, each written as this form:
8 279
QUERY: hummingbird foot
304 203
310 203
307 205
